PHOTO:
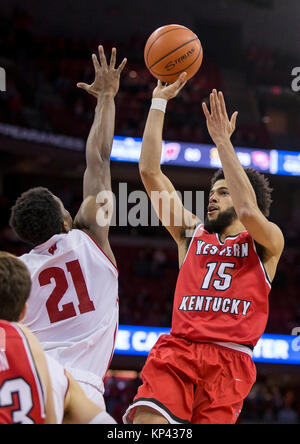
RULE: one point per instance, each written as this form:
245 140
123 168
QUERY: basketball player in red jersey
25 387
73 305
202 372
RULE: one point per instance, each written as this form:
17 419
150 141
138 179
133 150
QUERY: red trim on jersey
100 249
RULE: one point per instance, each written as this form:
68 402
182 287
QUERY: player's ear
23 313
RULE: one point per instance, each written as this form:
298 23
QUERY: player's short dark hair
15 286
36 216
260 185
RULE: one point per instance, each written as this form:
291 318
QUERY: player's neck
232 230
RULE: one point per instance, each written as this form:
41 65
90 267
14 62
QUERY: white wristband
160 104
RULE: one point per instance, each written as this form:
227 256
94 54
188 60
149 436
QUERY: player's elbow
246 214
98 164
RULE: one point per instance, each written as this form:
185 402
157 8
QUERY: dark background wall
276 25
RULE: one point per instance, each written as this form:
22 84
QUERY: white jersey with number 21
73 308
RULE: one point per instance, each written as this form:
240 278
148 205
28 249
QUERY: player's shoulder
245 235
201 232
4 324
7 330
74 237
78 236
53 245
198 230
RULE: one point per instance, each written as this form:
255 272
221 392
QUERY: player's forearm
100 139
240 188
152 143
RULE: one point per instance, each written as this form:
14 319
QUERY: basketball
171 50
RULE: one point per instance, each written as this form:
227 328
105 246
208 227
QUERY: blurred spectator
44 70
287 414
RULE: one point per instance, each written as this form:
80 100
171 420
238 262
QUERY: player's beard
224 219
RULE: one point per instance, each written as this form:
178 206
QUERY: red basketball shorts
197 383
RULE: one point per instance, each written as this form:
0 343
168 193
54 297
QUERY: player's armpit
94 217
263 231
95 212
168 205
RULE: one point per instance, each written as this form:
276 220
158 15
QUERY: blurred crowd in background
43 71
41 93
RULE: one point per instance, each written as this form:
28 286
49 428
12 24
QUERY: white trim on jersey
46 245
228 237
107 259
57 237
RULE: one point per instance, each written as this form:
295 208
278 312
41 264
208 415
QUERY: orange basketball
171 50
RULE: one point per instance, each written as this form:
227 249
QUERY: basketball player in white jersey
73 306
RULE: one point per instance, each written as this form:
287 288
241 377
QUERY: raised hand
107 77
169 91
219 126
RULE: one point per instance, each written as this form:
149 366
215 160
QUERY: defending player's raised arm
161 191
99 143
243 196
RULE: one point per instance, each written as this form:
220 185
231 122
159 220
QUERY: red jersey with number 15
222 291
